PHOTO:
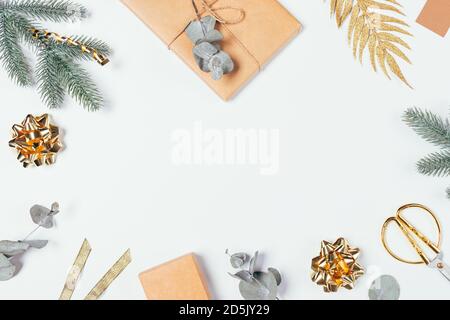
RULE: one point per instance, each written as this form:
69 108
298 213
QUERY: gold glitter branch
370 28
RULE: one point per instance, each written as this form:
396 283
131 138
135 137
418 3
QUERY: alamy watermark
253 147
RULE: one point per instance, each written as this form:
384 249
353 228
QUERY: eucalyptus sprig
41 216
254 285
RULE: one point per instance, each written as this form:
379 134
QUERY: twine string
215 12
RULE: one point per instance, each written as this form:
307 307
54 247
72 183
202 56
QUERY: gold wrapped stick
336 266
45 35
110 276
36 140
75 271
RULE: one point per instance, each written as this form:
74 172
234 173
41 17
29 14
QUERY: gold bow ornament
36 140
336 266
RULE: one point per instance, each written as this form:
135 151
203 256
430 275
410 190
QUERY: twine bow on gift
207 7
201 7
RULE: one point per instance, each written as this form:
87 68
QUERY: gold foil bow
336 266
47 36
36 140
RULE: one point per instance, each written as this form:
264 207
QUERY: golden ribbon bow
36 140
336 266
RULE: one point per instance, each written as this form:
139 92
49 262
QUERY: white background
347 162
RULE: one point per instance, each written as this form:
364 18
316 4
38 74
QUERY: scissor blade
443 268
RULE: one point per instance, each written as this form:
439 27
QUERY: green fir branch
49 84
78 84
11 54
57 71
435 164
429 126
50 10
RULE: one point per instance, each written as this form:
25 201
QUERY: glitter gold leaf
372 28
347 10
363 41
381 55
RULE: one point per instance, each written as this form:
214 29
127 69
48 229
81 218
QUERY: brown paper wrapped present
436 16
179 279
254 31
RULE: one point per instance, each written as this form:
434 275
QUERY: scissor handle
407 228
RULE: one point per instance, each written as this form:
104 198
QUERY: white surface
347 162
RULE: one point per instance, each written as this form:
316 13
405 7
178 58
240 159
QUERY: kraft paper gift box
265 28
436 16
179 279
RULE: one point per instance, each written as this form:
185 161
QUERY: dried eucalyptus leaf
225 61
198 31
242 275
252 264
55 208
202 63
37 244
205 50
220 64
213 36
209 23
7 269
13 248
195 32
276 274
385 287
216 71
237 260
41 216
264 287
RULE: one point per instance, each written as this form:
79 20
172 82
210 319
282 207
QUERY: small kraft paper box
266 27
179 279
436 16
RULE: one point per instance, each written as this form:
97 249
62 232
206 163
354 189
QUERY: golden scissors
411 234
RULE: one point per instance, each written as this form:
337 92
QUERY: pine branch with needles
435 130
58 70
11 55
436 164
46 10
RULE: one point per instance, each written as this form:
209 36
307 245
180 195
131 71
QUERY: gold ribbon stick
75 271
44 35
336 266
36 140
105 281
110 276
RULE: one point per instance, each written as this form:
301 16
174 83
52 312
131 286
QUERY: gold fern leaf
371 28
